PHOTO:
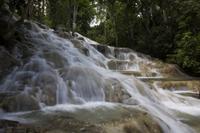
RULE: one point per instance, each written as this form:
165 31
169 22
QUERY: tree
163 29
187 38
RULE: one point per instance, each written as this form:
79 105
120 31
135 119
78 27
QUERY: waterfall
76 72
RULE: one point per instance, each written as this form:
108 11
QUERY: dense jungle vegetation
165 29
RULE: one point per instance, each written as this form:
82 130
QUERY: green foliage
188 52
85 16
59 13
187 38
166 29
96 33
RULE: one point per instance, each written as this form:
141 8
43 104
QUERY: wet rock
36 88
20 102
64 34
87 84
130 101
80 47
83 129
130 128
4 95
45 88
138 123
105 50
120 65
171 70
11 126
56 59
132 57
61 32
100 120
81 38
114 91
9 62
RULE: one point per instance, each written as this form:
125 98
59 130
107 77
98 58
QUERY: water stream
74 72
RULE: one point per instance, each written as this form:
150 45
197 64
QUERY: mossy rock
20 102
9 62
79 45
100 120
115 92
56 59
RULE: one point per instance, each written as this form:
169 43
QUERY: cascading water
70 71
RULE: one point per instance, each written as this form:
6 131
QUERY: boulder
114 91
79 45
20 102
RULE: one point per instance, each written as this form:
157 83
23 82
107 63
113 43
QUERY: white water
58 73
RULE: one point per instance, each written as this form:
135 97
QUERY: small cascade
62 92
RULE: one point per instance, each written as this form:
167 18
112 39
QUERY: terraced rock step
129 72
168 79
123 65
122 61
188 93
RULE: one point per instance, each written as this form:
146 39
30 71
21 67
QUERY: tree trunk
43 7
69 11
29 10
74 19
75 10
